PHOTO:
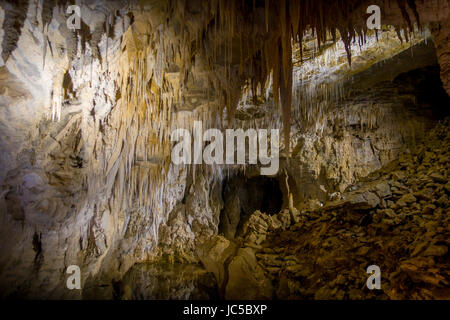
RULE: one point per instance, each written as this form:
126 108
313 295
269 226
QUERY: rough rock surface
441 36
396 218
85 176
367 129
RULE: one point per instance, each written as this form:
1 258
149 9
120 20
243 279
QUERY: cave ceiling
210 50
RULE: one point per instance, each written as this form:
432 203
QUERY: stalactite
47 12
15 14
241 51
267 49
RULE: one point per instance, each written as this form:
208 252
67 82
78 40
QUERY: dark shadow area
243 196
425 85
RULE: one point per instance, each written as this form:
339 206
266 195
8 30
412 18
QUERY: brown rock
429 209
383 189
438 177
406 199
246 278
214 253
436 250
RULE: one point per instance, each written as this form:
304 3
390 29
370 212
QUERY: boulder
214 255
406 199
247 280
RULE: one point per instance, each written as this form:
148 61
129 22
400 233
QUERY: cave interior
93 91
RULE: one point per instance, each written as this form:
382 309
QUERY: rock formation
86 176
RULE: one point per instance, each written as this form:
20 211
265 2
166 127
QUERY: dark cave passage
243 196
267 192
426 86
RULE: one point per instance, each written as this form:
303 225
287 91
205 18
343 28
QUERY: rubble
397 219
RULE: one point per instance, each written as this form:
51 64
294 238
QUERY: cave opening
426 86
267 193
243 196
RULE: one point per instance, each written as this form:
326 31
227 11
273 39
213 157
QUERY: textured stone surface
85 173
441 37
246 278
325 254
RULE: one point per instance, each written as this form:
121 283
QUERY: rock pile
397 218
